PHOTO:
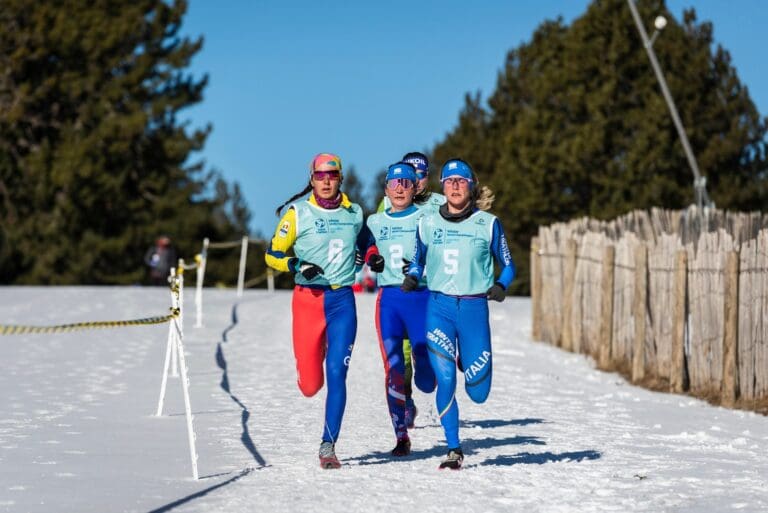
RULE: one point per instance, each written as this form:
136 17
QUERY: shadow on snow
201 493
494 423
469 446
221 361
528 458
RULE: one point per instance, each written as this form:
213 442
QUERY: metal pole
699 182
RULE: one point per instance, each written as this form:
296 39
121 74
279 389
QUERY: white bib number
451 261
396 256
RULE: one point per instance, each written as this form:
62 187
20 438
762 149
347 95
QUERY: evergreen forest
96 159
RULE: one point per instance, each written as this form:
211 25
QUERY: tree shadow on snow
529 458
494 423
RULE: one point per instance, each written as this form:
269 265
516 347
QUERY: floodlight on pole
699 181
660 22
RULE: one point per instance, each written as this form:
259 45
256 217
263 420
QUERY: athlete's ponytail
294 197
481 196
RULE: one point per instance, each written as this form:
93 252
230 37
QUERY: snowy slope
78 431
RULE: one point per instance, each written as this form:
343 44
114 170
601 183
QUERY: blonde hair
482 195
485 197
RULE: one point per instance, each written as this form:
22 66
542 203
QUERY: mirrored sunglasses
456 180
402 182
322 175
421 174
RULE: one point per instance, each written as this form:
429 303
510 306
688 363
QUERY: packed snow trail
77 431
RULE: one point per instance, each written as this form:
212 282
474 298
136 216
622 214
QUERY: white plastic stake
175 341
199 285
185 383
270 280
170 347
171 341
177 275
180 276
241 273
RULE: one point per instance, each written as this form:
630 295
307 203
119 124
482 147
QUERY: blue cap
418 161
401 170
456 167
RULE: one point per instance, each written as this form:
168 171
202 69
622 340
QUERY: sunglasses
322 175
456 180
421 175
401 182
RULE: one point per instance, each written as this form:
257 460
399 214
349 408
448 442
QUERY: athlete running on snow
393 233
455 248
323 232
427 202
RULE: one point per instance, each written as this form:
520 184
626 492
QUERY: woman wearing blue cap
455 248
426 201
393 238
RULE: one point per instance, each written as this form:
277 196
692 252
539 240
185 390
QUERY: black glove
410 283
376 263
307 269
496 292
358 259
406 263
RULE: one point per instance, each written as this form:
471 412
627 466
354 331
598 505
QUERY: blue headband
401 170
419 162
456 168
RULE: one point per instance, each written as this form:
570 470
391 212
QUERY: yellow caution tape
62 328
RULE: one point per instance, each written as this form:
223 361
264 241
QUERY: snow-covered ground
78 431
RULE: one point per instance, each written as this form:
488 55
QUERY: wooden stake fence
672 301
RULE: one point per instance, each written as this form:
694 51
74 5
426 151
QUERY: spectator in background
160 258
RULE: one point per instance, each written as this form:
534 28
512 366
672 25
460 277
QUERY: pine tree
94 160
577 125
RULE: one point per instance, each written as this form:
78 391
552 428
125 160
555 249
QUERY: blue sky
372 81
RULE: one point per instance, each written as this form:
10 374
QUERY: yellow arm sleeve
285 235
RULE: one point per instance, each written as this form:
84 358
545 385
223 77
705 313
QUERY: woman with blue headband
399 315
455 249
426 201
